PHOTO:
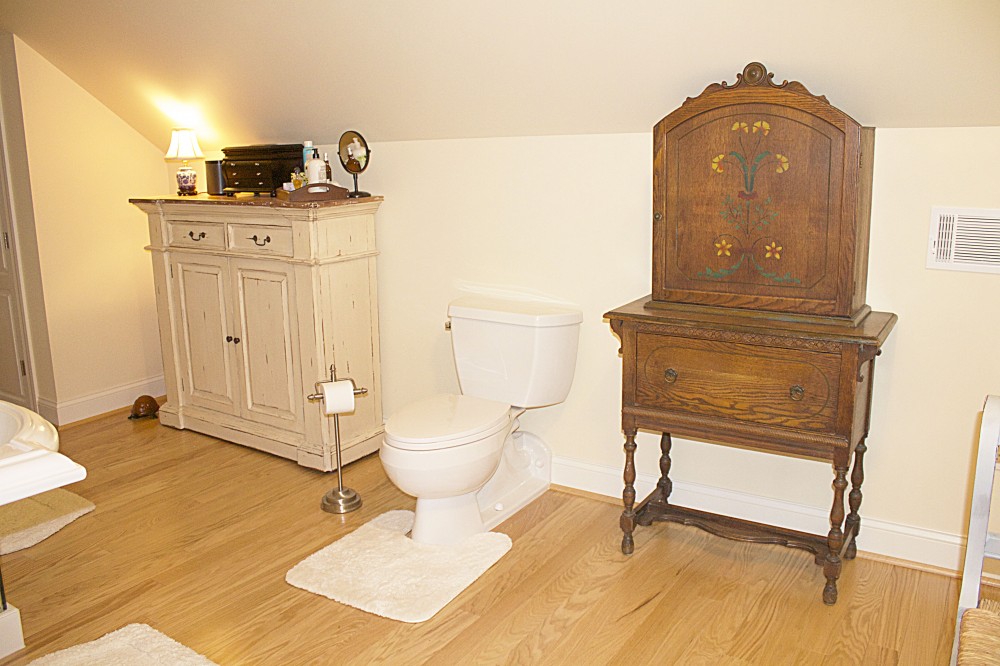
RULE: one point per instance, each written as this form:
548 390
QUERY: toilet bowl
464 457
442 450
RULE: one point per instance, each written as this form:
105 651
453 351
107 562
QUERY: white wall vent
964 239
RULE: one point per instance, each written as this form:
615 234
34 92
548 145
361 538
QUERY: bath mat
378 569
26 522
132 645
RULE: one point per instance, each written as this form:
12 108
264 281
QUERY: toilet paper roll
338 397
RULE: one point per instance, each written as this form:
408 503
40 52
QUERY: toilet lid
444 421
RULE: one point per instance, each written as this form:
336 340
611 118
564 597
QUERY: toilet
464 457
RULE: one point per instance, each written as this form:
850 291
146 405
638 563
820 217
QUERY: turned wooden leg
628 495
835 539
853 524
665 485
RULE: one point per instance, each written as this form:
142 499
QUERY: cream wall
84 164
569 217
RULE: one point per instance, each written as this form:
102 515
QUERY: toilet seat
445 421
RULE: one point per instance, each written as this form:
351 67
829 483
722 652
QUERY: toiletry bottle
315 169
329 170
307 152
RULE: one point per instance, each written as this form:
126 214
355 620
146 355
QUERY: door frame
9 244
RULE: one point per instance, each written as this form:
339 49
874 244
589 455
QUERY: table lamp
184 147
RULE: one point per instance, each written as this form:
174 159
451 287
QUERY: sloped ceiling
259 71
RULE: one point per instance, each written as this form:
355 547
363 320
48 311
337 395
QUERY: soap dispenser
316 169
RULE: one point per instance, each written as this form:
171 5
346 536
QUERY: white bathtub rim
29 462
28 428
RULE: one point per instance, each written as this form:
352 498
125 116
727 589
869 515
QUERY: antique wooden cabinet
258 299
756 333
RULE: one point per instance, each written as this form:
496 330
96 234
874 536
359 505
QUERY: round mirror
354 155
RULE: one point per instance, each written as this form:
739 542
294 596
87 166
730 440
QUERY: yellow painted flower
773 250
782 163
740 126
762 127
717 163
724 247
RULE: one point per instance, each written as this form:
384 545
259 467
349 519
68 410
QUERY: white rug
378 569
26 522
132 645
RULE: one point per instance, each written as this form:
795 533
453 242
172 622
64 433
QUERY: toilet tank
519 352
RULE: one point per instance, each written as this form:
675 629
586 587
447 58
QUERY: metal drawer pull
670 376
196 238
267 239
796 392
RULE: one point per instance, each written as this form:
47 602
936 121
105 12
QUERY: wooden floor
193 536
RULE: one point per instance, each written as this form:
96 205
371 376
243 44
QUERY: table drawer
205 235
743 382
275 241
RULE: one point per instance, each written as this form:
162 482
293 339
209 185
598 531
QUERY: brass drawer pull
196 238
260 243
670 376
796 392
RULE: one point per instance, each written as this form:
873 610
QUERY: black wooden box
260 168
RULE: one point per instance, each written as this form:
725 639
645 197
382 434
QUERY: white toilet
463 456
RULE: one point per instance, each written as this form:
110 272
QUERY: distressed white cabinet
258 299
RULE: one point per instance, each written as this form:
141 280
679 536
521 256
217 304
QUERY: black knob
229 338
236 341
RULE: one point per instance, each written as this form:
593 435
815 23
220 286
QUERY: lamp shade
183 145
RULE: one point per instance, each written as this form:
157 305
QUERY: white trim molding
904 542
68 411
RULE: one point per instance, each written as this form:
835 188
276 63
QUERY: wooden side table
758 380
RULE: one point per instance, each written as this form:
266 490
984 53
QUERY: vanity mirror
354 156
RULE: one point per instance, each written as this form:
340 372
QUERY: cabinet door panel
268 351
207 375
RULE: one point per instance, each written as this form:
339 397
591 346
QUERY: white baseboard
68 411
915 544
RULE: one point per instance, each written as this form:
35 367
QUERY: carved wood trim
744 337
755 74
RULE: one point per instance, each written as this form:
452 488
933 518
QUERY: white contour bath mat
378 569
26 522
132 645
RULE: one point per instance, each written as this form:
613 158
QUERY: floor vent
964 239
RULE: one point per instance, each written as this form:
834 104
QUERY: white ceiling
259 71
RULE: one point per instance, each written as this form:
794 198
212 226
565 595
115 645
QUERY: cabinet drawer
743 382
261 240
195 234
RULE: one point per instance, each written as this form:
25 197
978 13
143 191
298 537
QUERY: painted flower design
737 126
773 250
724 247
782 163
717 163
762 127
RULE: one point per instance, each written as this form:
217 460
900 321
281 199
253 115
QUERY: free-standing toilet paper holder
339 499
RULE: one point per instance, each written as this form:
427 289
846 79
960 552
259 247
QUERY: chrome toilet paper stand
339 499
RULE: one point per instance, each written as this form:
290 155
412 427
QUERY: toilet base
446 519
525 473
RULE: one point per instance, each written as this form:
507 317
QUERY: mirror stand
356 194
